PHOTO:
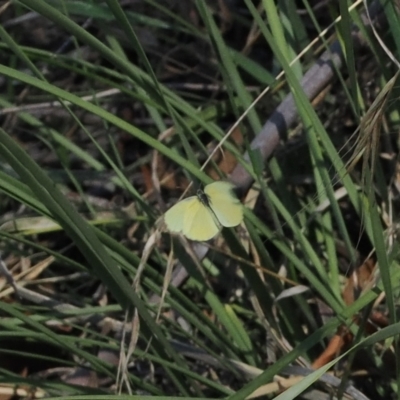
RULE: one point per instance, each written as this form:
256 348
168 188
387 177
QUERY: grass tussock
111 112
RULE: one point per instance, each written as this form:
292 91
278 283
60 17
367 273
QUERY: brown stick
321 74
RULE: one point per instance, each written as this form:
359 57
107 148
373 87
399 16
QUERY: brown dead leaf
225 159
358 281
335 346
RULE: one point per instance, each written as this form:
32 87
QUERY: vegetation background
110 110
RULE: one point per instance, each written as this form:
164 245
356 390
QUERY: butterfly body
201 217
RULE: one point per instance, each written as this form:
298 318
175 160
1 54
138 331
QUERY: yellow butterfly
201 217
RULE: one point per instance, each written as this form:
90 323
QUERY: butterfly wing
174 218
192 218
200 223
223 202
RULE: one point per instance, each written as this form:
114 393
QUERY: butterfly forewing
225 205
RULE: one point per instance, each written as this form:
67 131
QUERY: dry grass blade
367 144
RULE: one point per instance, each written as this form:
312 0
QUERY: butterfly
201 217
